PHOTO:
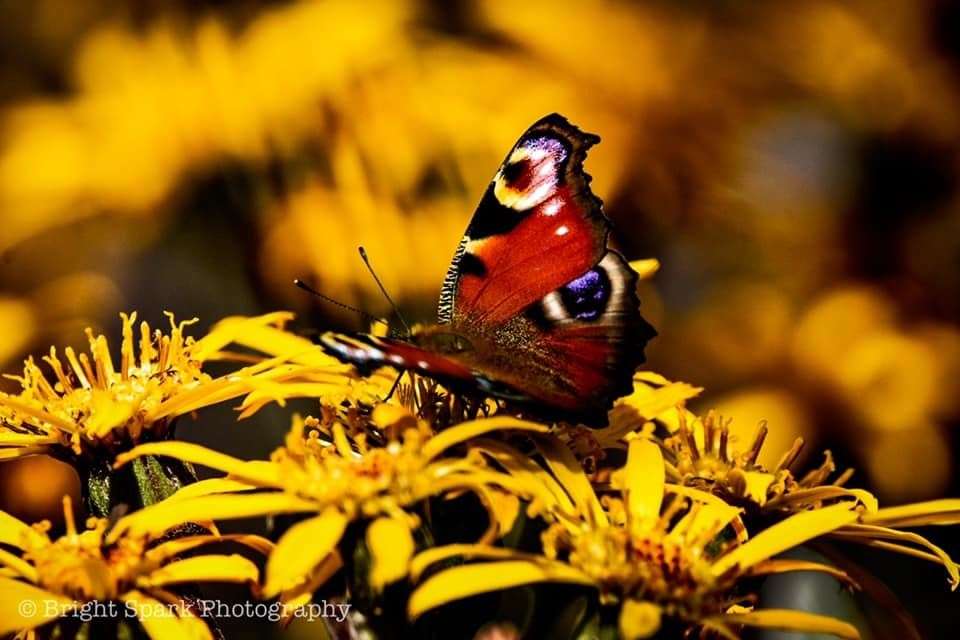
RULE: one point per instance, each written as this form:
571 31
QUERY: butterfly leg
393 388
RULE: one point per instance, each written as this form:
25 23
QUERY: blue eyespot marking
586 297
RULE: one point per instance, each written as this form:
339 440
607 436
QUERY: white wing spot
553 307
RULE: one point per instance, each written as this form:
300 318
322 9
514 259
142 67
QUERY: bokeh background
794 167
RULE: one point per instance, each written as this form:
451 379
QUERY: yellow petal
391 547
107 413
202 568
340 440
815 495
476 481
643 480
29 409
255 333
705 522
461 582
505 508
202 395
784 535
758 483
8 438
270 392
434 555
303 592
872 534
939 512
571 477
178 546
18 565
788 620
639 619
160 620
645 268
473 428
21 452
527 471
212 486
159 517
17 533
651 377
43 606
301 548
257 474
650 402
786 565
695 494
392 415
274 341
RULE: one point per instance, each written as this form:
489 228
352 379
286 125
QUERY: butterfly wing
587 341
572 352
537 227
569 355
551 311
534 307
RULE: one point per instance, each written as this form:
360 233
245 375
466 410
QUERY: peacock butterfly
535 308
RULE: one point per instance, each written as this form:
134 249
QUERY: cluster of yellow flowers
136 576
372 124
661 519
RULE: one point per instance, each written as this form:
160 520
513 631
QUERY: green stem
145 481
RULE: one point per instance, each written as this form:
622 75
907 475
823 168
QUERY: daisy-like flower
652 552
701 455
335 478
88 407
83 577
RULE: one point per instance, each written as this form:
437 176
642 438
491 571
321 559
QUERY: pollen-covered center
76 565
586 297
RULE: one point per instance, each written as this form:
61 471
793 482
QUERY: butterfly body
534 308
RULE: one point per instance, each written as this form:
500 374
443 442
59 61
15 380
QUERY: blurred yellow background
793 166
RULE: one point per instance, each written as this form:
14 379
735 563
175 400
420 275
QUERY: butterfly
535 309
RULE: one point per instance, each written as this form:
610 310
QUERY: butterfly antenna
383 290
303 285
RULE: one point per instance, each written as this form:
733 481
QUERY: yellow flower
702 454
86 403
336 478
81 573
88 409
656 550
